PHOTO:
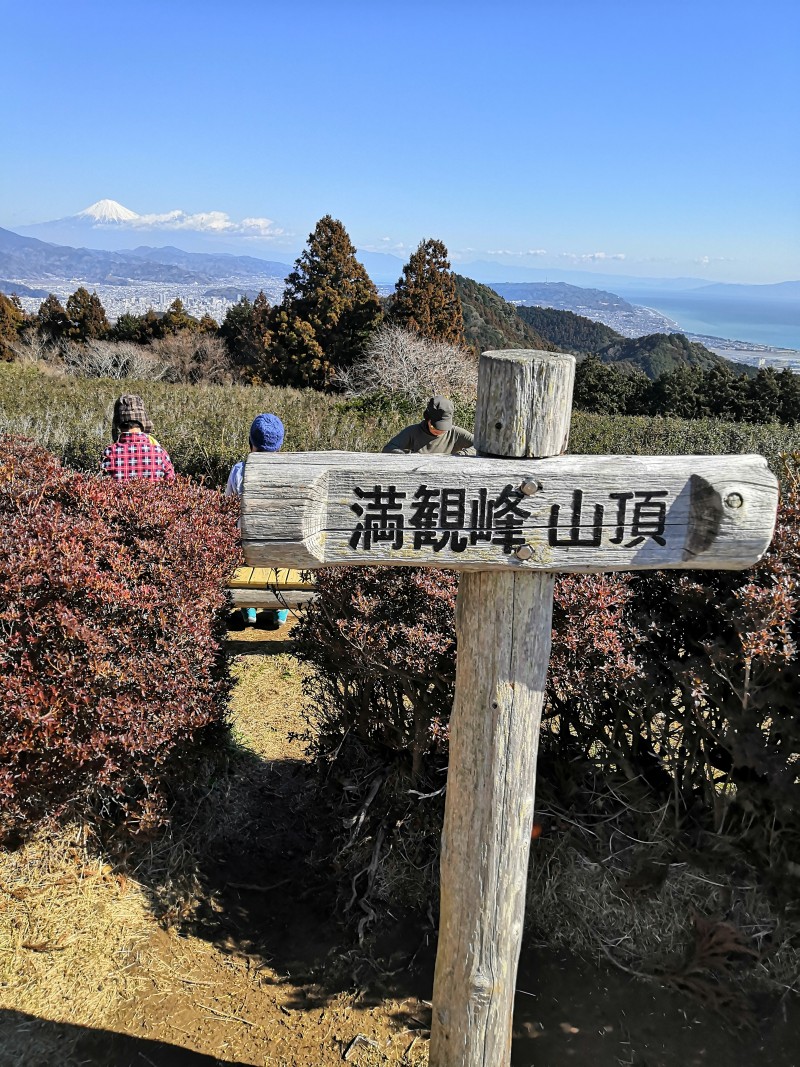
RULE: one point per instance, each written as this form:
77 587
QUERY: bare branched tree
31 348
113 359
399 361
194 357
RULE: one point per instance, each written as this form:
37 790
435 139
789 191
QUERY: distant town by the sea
753 324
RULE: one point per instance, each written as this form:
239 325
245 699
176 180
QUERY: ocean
765 322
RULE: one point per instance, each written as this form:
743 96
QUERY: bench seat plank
259 577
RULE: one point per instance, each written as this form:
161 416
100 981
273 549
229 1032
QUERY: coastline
749 352
754 353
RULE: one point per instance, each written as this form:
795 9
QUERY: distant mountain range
598 304
655 354
211 265
29 260
103 248
110 226
30 265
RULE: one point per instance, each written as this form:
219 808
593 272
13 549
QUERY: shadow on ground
46 1044
267 900
266 895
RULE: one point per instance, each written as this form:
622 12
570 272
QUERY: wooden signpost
510 519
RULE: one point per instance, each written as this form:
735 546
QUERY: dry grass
82 944
641 911
264 706
72 933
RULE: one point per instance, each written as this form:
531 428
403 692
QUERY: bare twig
359 1039
253 888
226 1015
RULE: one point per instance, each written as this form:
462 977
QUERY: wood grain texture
301 510
267 599
259 577
524 403
503 624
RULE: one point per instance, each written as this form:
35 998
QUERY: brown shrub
111 623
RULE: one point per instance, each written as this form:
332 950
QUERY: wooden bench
270 588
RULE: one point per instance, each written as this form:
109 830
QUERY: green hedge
204 428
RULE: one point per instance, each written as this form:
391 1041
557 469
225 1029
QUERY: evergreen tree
87 316
790 395
12 321
131 328
637 393
261 320
52 321
600 387
176 319
234 327
140 329
247 333
208 324
425 298
720 393
297 358
329 308
764 401
678 393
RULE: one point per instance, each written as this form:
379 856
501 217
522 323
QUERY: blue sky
644 137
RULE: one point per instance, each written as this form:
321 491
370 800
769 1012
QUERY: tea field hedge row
204 428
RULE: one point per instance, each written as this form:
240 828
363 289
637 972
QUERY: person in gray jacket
436 434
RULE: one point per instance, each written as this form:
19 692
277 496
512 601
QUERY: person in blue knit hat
266 435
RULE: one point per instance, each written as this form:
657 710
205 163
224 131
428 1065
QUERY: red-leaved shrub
683 686
111 628
383 641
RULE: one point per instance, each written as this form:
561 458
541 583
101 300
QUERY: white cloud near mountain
110 213
573 257
592 257
206 222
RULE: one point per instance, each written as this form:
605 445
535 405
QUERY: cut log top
524 403
566 513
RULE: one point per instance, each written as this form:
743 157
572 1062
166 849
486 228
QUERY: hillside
659 354
490 322
654 355
630 320
219 265
573 333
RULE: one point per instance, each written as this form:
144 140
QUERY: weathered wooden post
503 624
510 524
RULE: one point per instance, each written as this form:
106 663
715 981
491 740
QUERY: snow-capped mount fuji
111 226
105 212
177 238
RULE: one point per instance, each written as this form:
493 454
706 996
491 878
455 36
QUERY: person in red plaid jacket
134 452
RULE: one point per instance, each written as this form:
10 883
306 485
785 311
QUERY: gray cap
439 412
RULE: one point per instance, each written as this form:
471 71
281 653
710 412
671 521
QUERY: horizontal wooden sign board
568 513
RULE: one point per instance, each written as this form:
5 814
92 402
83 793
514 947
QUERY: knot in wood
481 988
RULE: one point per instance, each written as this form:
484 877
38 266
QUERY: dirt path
256 968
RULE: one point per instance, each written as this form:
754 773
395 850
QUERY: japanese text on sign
452 518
